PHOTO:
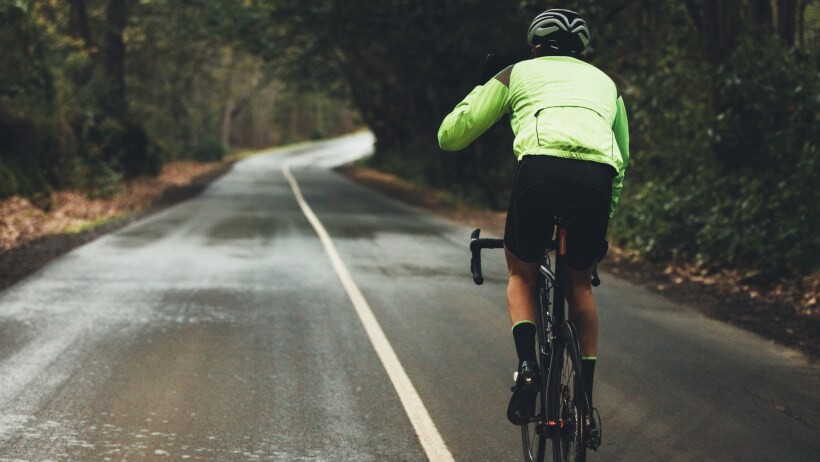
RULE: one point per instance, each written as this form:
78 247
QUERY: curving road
227 328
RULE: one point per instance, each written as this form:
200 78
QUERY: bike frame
552 321
552 315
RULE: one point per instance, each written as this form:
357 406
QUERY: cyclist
572 144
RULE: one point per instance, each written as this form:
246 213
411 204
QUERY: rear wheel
566 398
534 435
535 443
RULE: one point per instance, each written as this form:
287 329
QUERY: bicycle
564 416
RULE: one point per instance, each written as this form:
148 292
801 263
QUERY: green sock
524 336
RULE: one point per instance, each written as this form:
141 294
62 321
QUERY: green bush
207 150
25 151
746 195
133 152
8 182
481 175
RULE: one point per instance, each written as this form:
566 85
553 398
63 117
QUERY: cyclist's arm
475 114
621 130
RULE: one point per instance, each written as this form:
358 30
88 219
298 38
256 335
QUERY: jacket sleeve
474 115
621 130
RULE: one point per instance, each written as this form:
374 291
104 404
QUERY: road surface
288 314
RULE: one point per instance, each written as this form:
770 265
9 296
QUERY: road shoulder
775 313
24 259
768 311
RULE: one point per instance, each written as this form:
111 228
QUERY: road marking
425 428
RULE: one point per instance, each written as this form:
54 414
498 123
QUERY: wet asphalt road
219 330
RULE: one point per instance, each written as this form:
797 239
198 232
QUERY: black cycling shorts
542 184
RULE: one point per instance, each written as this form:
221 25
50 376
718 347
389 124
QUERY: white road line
425 428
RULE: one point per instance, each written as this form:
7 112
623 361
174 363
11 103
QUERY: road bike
562 412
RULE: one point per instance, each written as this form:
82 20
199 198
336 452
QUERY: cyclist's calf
582 310
521 288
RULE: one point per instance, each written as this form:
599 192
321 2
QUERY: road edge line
426 430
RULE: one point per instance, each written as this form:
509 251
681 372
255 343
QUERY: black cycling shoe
593 433
522 403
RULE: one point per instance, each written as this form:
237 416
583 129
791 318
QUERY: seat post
559 305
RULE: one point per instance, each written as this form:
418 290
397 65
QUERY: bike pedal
593 440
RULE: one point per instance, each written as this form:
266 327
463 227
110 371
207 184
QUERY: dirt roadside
30 237
786 312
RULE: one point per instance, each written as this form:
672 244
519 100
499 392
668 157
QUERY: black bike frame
552 312
552 315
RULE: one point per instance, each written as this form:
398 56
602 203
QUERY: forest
722 97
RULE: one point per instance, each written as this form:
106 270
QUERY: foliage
722 104
725 157
721 96
752 204
405 63
94 92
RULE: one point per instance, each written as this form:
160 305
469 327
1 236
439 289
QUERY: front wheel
567 401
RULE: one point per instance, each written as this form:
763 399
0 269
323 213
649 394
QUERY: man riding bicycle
572 143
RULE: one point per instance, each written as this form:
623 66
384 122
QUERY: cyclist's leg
525 239
521 288
527 231
587 235
585 245
522 305
584 315
582 310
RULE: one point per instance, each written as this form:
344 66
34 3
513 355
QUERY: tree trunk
762 15
114 65
718 23
801 23
787 20
295 115
78 23
227 113
78 28
227 122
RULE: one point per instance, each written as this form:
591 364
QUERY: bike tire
534 442
567 401
534 434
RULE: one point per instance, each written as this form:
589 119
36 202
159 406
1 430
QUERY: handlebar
477 243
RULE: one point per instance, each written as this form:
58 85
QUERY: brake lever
475 261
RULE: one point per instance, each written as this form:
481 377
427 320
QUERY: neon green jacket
558 106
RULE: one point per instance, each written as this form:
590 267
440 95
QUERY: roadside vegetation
723 102
96 93
722 97
72 212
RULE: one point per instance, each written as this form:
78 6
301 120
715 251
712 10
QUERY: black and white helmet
561 28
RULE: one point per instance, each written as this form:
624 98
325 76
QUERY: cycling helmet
560 30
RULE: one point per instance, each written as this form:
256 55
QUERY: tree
115 102
720 22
